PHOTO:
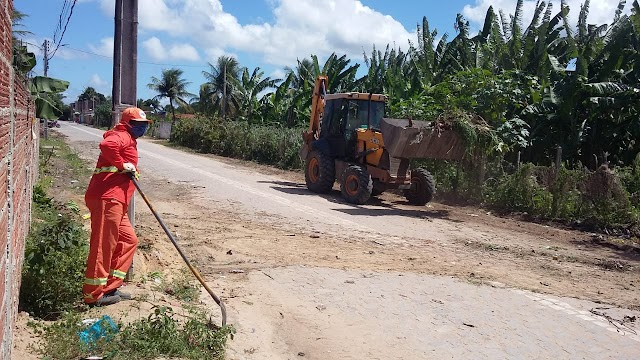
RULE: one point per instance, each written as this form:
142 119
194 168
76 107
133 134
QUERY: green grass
182 287
56 147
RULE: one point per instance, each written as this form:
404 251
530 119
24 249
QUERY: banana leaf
41 88
45 109
41 84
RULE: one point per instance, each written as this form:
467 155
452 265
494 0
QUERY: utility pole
125 57
45 48
125 71
224 92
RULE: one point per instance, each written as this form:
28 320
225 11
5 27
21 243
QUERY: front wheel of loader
423 187
356 185
319 172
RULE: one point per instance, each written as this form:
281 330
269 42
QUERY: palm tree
148 104
219 91
16 25
23 60
171 85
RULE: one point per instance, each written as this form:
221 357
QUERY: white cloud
155 49
300 28
105 48
278 74
102 86
97 82
184 52
158 52
600 11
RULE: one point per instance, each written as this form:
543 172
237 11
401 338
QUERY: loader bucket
421 140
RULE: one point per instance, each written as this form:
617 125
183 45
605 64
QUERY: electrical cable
139 62
64 30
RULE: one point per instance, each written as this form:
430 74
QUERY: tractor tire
425 187
319 172
356 184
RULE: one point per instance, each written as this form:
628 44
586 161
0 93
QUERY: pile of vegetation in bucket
472 129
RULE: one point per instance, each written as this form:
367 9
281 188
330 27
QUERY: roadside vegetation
561 101
57 246
53 273
164 333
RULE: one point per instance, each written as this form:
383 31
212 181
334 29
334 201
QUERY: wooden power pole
45 50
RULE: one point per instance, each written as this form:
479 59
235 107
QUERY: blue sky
269 34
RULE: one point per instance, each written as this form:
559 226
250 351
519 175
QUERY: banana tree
248 89
42 88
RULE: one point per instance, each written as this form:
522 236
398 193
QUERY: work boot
107 300
122 295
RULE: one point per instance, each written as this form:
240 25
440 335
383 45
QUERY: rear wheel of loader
422 187
319 172
356 184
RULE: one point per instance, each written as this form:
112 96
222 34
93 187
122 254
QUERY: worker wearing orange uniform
113 240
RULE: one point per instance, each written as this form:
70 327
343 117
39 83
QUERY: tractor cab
350 118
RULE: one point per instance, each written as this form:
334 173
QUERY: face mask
138 130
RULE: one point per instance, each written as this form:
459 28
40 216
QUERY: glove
128 167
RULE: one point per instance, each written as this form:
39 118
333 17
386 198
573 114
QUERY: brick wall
18 171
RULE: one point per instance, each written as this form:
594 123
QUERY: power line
65 29
63 14
139 62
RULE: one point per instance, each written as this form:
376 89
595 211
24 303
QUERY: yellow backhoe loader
350 140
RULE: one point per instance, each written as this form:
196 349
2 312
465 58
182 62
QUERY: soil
229 246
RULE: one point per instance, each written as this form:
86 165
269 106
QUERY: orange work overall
113 240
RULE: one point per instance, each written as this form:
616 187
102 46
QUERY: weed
55 254
145 244
182 287
154 276
161 334
56 248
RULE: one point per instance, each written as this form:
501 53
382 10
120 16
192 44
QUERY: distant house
84 110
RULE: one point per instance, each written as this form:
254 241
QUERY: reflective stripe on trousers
118 274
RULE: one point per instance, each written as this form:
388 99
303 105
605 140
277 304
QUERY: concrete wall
18 171
162 130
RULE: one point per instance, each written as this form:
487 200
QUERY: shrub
271 145
520 192
55 255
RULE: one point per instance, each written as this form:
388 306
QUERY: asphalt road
388 315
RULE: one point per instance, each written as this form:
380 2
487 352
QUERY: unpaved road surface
308 276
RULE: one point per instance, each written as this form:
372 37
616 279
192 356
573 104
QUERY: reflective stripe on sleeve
110 169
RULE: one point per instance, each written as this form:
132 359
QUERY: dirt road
311 276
